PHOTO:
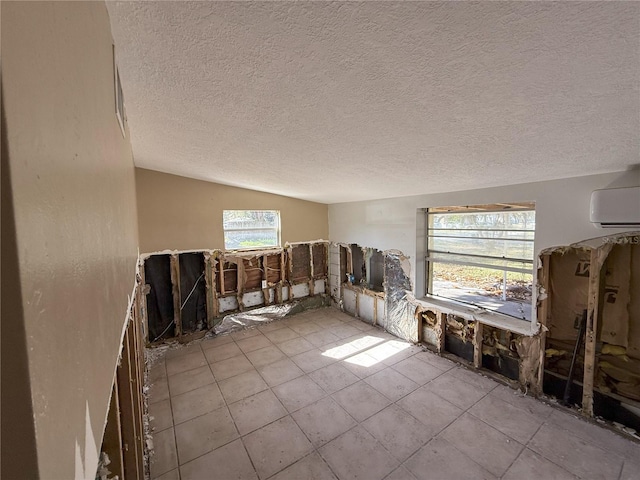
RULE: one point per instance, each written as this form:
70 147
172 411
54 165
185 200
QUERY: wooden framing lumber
477 345
175 290
543 312
210 282
590 335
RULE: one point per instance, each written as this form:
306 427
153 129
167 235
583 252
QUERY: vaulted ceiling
334 101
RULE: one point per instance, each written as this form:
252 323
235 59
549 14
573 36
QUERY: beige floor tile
222 352
475 379
339 350
397 431
216 341
461 394
344 331
532 465
416 370
202 434
360 325
311 467
391 384
231 367
298 393
276 446
280 372
312 360
434 412
440 460
333 377
159 390
242 386
321 337
575 454
295 346
190 380
630 470
186 362
157 371
400 473
228 462
164 458
281 335
172 475
265 356
305 328
160 416
256 411
357 455
485 445
517 399
506 418
323 421
246 333
177 349
196 402
362 365
435 360
361 400
253 343
271 326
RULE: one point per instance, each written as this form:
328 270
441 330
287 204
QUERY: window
245 229
482 255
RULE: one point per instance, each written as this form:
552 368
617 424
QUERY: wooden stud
477 345
209 278
141 293
130 451
442 326
590 335
221 263
240 283
543 311
175 290
112 439
312 283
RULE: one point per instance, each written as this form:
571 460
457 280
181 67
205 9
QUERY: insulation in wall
273 268
300 263
193 294
400 318
157 273
500 351
459 336
319 260
252 272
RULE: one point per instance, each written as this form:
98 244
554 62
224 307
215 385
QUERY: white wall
562 214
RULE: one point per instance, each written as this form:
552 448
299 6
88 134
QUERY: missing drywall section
500 351
189 292
193 305
160 313
400 305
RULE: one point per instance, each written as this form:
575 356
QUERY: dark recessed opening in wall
229 272
193 292
357 260
344 262
157 273
376 269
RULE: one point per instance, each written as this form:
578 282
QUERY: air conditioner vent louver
616 207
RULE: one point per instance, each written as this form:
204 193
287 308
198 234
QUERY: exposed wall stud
590 335
175 290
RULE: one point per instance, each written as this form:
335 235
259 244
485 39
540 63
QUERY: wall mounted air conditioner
616 207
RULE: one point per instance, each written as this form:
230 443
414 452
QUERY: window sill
493 319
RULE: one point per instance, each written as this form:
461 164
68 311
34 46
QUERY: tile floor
322 395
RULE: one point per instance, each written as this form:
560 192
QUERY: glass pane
255 238
484 287
246 219
497 262
525 220
495 247
468 233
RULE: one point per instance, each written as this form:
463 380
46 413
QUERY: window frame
430 260
277 229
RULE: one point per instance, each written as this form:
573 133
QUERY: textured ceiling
333 102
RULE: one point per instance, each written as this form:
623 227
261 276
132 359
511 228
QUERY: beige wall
75 235
180 213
